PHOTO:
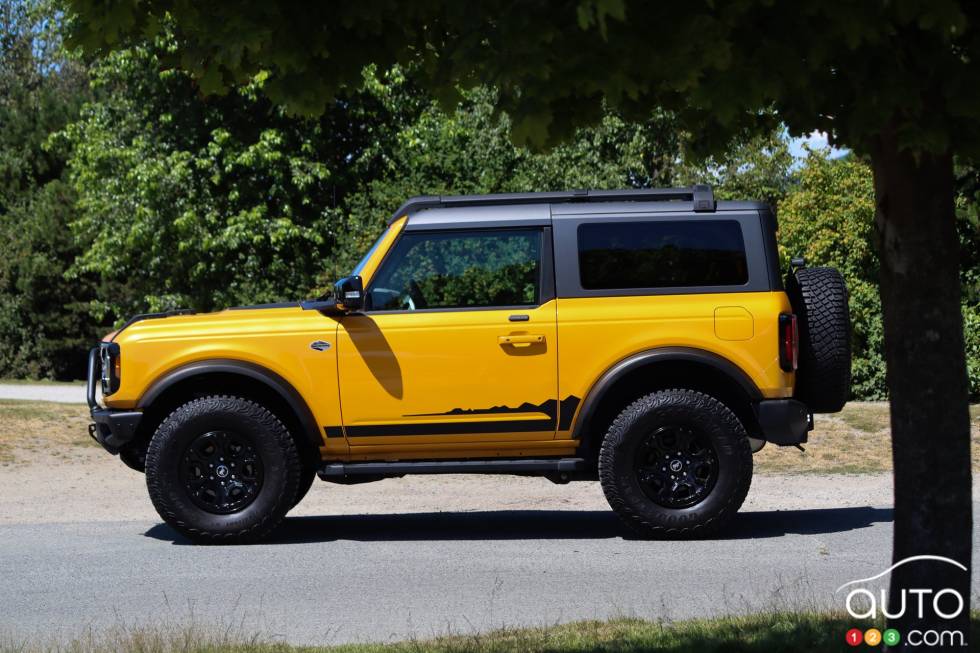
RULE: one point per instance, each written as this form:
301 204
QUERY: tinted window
459 269
661 254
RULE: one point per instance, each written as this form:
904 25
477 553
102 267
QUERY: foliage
207 204
828 217
467 151
182 200
757 167
44 320
784 628
968 225
555 64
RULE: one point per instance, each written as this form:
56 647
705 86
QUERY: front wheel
676 463
222 469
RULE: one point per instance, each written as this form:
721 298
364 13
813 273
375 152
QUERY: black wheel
819 299
222 469
306 478
676 463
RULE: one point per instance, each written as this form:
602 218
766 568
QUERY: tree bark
927 383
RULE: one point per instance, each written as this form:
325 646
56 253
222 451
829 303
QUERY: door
456 342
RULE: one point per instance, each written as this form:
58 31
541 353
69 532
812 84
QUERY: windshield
360 266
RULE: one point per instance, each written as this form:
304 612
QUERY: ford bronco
644 338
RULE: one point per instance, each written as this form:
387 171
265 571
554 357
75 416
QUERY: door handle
520 341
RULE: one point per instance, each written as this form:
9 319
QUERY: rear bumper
784 421
113 429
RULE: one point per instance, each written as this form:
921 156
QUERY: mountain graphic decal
548 408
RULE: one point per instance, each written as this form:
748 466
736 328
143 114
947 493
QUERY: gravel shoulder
96 487
52 472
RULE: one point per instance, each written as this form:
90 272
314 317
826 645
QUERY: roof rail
699 195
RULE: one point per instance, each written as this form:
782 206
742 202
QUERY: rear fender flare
653 357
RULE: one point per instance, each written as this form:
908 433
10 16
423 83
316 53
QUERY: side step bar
495 466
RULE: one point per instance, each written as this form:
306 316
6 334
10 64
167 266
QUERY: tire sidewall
171 441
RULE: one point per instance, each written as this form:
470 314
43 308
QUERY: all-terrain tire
267 438
625 447
306 478
819 299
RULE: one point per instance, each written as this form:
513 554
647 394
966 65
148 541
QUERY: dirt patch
38 431
856 440
53 472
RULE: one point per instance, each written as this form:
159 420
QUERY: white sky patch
816 140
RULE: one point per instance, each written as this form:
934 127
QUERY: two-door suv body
644 338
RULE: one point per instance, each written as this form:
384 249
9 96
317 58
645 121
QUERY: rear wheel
222 469
676 463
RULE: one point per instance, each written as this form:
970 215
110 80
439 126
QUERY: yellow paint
596 333
275 338
402 369
413 367
733 323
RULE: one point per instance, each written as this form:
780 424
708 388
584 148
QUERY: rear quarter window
661 254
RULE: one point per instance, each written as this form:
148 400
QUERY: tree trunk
927 382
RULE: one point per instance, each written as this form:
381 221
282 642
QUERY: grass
854 441
770 633
30 428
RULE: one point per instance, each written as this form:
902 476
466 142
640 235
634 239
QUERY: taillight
789 342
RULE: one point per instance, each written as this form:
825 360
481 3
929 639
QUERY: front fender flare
263 375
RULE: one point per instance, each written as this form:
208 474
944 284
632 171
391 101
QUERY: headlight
111 367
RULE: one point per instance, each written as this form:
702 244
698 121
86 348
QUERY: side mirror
349 293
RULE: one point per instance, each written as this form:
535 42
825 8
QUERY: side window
459 269
661 254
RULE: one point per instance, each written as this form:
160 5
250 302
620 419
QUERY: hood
264 318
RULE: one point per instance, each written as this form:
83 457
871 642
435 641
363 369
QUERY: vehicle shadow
540 525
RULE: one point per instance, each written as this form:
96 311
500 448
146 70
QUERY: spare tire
819 299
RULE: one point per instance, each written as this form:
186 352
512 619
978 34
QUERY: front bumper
113 429
784 421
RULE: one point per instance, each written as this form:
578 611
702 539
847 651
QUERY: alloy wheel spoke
221 471
676 465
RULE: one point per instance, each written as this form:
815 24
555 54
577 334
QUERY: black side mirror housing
348 296
349 293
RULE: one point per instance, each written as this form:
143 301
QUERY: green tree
44 323
198 203
210 202
897 81
468 150
828 217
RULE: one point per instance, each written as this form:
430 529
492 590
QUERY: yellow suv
643 338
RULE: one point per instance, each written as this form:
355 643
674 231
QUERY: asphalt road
354 577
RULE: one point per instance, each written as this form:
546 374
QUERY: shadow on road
540 524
